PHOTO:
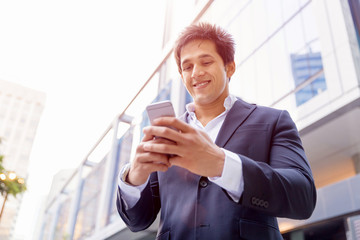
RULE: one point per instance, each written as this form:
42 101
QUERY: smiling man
235 167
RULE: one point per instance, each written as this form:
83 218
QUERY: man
235 166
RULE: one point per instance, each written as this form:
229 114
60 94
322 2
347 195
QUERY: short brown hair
224 42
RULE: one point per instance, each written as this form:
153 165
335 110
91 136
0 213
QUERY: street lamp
12 175
2 176
21 181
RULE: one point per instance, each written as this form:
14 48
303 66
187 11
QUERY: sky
90 58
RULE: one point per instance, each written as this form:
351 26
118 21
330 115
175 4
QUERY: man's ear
230 69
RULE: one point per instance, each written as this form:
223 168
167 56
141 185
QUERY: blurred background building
20 112
299 55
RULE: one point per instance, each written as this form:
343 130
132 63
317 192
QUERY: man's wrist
221 163
124 176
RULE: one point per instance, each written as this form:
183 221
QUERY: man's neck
206 113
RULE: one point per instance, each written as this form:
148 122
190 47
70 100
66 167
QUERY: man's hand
146 162
193 149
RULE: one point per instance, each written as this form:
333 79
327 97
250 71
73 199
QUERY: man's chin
208 100
201 101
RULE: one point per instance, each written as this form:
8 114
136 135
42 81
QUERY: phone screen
160 109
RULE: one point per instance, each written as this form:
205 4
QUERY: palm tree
10 183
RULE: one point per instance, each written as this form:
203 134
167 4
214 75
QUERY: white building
20 112
300 55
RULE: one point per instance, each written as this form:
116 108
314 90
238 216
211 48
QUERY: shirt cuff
231 179
129 194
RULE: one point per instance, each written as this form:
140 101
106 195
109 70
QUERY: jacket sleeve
281 185
144 213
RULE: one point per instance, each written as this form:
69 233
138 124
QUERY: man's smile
201 84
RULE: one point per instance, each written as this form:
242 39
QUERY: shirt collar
228 103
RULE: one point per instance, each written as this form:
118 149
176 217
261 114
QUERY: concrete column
75 203
55 213
356 161
107 184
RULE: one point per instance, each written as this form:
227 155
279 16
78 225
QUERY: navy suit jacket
277 183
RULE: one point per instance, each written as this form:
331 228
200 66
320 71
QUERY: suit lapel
236 116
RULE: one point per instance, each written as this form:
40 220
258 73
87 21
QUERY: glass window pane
259 20
274 15
289 8
263 76
280 66
295 36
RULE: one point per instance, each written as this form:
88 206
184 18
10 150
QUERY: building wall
20 112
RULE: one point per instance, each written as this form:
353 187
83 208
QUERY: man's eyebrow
200 56
205 56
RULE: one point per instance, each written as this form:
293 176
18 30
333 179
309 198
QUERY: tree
10 183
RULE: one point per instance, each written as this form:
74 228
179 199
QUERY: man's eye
207 63
185 68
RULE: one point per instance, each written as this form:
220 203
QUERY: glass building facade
302 56
305 67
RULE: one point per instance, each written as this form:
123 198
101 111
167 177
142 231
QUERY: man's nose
197 71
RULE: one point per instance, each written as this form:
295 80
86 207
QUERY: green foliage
9 185
1 160
12 187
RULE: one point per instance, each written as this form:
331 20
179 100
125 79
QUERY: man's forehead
197 49
200 44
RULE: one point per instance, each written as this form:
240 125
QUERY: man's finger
163 132
161 148
175 161
154 157
146 136
173 122
153 167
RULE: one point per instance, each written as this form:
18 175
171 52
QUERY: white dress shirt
231 178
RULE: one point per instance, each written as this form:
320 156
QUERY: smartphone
160 109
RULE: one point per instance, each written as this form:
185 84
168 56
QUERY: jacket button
203 183
255 201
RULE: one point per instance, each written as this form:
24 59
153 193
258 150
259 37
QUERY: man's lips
201 84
